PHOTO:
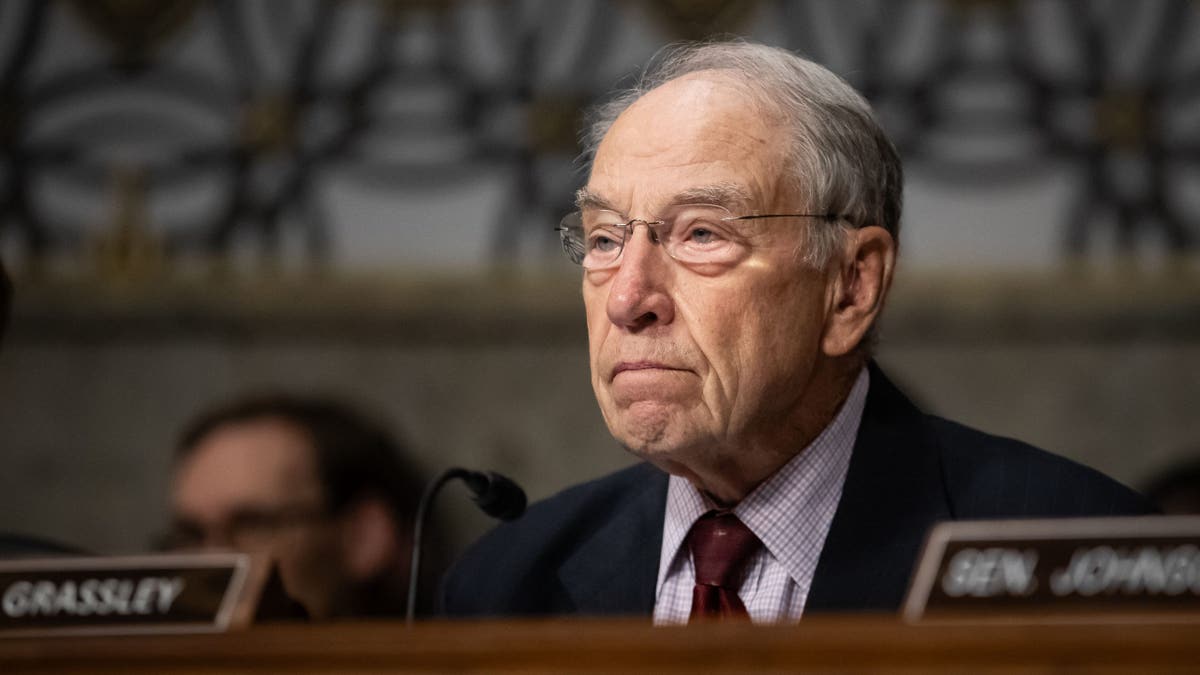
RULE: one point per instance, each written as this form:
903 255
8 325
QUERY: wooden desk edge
834 642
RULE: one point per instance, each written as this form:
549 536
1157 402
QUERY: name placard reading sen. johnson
1059 570
174 593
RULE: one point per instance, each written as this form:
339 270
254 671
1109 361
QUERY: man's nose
639 296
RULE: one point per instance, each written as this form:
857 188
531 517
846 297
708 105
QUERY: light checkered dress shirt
790 512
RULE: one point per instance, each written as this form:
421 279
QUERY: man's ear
858 289
370 540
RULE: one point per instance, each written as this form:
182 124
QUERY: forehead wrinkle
718 194
728 195
585 198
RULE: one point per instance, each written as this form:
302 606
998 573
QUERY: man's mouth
640 365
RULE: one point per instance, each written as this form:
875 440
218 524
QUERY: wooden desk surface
822 644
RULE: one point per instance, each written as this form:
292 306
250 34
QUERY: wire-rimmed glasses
694 234
247 529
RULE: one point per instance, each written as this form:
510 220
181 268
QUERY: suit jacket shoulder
994 477
591 549
910 471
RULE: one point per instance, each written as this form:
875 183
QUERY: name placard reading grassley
137 594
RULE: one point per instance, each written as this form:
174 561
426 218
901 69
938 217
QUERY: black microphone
497 495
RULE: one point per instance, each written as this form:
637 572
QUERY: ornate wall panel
153 138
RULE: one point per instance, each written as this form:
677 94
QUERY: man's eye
702 235
701 232
603 242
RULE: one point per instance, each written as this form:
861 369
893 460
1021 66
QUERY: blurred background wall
201 198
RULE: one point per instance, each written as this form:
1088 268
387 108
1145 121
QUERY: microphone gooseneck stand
497 495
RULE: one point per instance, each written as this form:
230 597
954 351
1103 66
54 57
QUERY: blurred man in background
309 482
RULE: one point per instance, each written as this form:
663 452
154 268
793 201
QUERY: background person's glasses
244 530
696 234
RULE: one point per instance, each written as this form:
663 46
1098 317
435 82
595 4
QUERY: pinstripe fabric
790 512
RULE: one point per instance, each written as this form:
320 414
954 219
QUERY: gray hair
840 161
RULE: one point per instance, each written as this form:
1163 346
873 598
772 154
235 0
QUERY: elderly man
738 236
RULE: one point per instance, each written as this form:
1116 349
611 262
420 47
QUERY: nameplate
1057 571
173 593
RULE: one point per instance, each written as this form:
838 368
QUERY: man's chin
644 427
654 434
657 429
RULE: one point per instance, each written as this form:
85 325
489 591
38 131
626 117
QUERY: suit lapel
893 492
615 569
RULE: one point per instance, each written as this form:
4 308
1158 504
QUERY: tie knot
721 545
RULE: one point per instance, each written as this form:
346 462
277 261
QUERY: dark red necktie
721 546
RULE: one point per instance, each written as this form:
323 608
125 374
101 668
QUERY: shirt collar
781 509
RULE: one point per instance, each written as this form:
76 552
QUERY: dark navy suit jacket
594 549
